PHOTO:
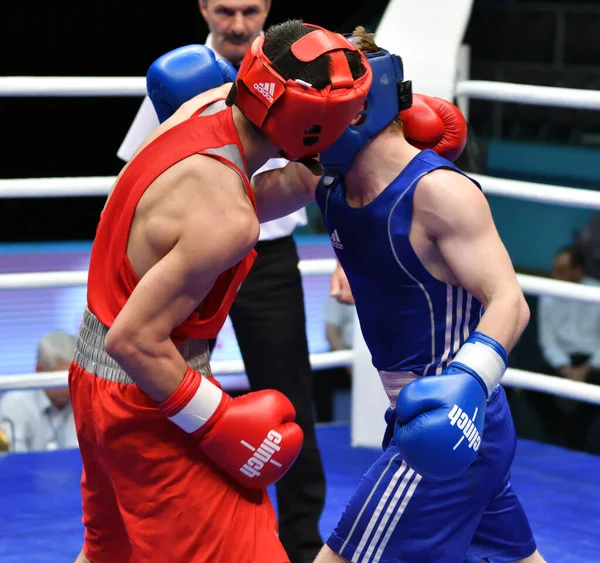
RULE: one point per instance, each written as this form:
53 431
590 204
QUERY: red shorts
150 495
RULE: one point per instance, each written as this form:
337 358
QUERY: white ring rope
235 379
56 187
529 94
534 285
318 267
71 86
576 390
531 191
234 371
100 186
78 278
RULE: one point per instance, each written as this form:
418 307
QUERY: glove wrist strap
193 403
484 356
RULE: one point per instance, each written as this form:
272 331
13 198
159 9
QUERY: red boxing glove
433 123
252 438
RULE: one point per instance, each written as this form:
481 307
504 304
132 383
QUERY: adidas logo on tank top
335 240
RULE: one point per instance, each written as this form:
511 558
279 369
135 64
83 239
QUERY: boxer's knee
327 555
533 558
81 558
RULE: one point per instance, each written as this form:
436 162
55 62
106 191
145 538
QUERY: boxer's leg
327 555
105 538
81 558
503 534
176 505
534 558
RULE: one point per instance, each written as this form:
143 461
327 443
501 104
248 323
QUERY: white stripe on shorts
397 516
351 532
397 506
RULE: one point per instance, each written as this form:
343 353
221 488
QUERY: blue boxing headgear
388 96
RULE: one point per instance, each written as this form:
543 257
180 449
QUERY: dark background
551 43
59 137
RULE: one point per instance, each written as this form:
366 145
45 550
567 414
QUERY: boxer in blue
440 308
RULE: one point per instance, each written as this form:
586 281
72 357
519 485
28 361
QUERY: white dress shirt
146 121
568 327
32 423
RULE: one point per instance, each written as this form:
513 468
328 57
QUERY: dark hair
277 47
576 255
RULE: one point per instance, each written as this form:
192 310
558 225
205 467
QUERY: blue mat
40 506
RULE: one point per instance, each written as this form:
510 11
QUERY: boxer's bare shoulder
197 197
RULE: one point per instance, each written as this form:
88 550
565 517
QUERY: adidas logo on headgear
335 240
267 89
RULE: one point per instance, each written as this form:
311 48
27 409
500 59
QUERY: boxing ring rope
120 86
535 285
100 186
78 278
72 86
28 86
233 368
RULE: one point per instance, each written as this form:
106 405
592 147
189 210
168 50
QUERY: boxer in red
174 469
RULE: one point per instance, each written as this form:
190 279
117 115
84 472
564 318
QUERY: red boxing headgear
299 119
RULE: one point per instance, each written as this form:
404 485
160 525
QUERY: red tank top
111 278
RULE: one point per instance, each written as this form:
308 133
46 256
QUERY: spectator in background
268 314
589 242
339 331
42 419
569 337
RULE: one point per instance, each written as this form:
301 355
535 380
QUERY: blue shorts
397 516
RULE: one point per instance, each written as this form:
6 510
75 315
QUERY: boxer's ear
361 115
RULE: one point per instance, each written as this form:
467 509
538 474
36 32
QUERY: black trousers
269 321
326 382
567 422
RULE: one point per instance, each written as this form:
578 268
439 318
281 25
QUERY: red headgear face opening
299 119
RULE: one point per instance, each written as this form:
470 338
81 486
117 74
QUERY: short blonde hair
365 41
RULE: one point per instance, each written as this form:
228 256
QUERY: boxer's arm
139 339
284 190
456 215
453 213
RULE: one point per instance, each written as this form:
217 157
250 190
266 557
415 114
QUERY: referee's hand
339 287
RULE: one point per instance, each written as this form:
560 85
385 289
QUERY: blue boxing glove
440 418
227 70
183 73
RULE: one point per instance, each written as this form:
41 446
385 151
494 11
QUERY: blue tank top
410 320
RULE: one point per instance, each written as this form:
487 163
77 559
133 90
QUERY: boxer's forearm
156 367
282 191
139 338
505 319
